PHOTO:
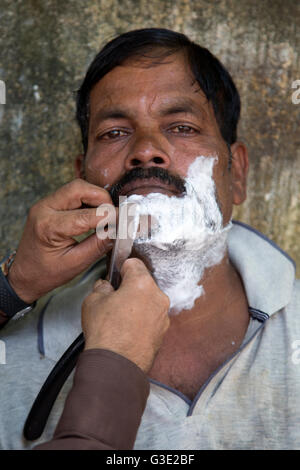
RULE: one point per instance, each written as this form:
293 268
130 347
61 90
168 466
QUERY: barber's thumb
102 287
132 268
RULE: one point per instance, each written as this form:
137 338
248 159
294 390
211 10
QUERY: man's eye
113 134
181 129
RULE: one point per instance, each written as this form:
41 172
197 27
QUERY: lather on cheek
189 235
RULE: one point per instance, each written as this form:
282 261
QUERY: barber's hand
48 256
130 321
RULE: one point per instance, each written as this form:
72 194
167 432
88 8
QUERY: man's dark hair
214 80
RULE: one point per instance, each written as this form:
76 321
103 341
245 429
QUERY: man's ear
79 166
239 172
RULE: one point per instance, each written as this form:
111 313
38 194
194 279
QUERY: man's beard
187 234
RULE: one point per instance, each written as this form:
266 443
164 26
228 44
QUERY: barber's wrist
13 279
11 303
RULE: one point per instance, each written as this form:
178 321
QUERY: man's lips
147 186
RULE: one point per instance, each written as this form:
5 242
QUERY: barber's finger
77 222
89 251
72 195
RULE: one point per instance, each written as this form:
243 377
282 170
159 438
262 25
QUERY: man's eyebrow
113 113
176 107
185 106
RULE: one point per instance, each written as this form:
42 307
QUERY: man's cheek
96 172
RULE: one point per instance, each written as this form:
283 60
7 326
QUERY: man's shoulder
285 323
293 306
267 272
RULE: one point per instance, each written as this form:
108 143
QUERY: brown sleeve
104 407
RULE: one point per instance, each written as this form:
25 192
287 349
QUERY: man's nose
148 150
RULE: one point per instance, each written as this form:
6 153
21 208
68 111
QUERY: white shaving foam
187 236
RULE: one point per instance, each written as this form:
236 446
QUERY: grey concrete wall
46 46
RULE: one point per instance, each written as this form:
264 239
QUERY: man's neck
201 339
223 293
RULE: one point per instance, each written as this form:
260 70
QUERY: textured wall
46 46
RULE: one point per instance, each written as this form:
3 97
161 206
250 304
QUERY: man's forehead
133 76
121 89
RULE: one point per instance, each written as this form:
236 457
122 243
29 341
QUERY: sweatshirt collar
268 273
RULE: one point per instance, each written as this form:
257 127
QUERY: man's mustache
160 174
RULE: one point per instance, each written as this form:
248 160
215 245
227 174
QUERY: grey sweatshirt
251 402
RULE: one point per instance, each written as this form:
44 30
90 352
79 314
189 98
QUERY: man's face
144 115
